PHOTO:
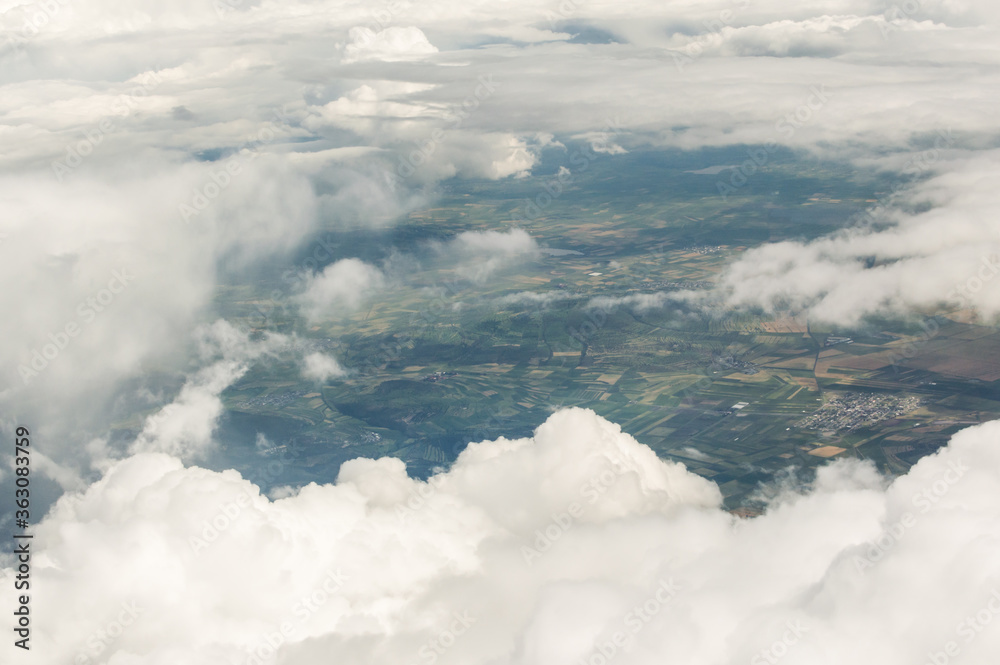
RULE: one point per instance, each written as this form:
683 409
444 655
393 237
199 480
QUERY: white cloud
184 428
640 302
538 299
694 453
546 547
321 367
481 254
599 143
341 287
390 45
947 255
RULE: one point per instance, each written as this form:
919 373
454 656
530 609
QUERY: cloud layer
152 151
894 261
573 543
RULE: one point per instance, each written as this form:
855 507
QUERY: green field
669 376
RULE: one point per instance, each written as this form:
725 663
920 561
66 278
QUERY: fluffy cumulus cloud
341 287
575 545
478 255
321 367
926 245
390 45
946 255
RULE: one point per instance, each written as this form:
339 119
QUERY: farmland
446 359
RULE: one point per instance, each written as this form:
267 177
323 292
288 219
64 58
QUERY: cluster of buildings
852 410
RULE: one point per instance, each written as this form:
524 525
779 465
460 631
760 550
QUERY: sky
151 150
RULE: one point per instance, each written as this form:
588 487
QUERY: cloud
393 44
640 302
599 143
895 261
114 281
184 427
575 541
341 287
427 132
320 367
694 453
481 254
534 298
